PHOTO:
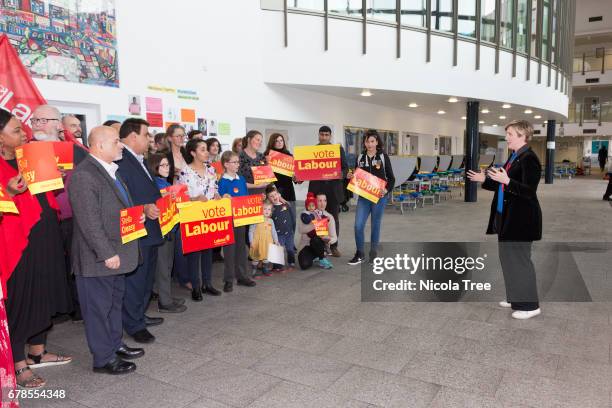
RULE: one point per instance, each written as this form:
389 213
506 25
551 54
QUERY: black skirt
38 287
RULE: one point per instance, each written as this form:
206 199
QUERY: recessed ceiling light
495 125
545 122
537 117
463 118
528 111
453 99
484 111
366 92
441 112
506 106
481 122
413 105
502 117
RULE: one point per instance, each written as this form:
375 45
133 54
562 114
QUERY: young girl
284 222
160 167
260 236
311 247
235 261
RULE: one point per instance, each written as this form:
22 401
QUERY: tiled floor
306 340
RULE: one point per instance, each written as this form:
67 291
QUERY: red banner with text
132 224
281 163
206 225
320 162
38 166
247 210
367 185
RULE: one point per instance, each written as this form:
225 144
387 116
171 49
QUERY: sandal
33 382
38 362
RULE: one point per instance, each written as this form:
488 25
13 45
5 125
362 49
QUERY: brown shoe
335 253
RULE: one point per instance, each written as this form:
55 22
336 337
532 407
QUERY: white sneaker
525 314
505 304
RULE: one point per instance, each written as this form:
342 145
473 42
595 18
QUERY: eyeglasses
42 121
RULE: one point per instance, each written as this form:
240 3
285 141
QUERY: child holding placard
284 222
311 246
235 260
261 236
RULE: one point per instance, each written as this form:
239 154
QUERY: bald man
99 259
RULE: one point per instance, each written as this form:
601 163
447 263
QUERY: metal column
472 154
550 151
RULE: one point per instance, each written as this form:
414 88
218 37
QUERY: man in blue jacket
134 134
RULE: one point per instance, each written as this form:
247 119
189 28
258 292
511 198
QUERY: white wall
593 8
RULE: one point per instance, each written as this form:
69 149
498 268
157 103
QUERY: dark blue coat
143 191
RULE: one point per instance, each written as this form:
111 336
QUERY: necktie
122 190
500 192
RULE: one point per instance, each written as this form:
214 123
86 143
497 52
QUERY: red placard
281 163
168 213
263 175
64 155
38 166
367 185
206 225
247 210
320 162
219 170
179 192
6 202
132 224
321 226
155 120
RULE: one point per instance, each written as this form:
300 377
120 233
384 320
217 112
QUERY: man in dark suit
333 189
134 134
99 259
516 218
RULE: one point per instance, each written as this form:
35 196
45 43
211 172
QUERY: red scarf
15 228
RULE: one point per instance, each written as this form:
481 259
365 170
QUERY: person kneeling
312 246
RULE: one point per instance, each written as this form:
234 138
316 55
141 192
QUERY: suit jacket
96 204
143 190
332 188
521 218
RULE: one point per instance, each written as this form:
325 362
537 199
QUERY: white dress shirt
111 168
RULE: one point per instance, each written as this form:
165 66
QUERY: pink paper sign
154 105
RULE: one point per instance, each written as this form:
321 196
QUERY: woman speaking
516 218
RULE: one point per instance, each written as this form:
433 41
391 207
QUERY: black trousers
18 345
138 286
608 192
66 228
309 253
333 207
519 275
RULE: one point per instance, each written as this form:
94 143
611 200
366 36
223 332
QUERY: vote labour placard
281 163
132 224
168 213
320 162
247 210
6 202
38 166
263 175
180 194
206 225
64 155
367 185
321 227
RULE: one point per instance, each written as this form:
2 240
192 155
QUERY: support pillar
472 146
550 151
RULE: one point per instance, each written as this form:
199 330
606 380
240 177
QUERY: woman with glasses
176 156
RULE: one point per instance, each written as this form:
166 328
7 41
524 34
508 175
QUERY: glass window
345 7
381 10
507 15
414 12
545 20
487 26
317 5
534 28
466 19
554 5
442 15
521 38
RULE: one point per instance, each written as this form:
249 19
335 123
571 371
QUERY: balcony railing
597 111
593 62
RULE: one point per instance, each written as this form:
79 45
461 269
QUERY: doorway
88 114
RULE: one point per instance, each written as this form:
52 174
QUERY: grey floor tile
290 395
419 339
546 392
384 389
299 338
207 403
451 398
364 329
580 371
543 323
49 403
236 350
226 383
314 371
458 374
380 356
137 391
163 362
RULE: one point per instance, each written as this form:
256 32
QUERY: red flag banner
281 163
320 162
18 93
247 210
206 225
367 185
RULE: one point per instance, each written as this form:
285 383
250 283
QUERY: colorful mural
67 40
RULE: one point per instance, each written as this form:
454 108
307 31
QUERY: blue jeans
364 209
200 262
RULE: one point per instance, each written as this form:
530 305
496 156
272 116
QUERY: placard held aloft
206 225
320 162
367 185
38 166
